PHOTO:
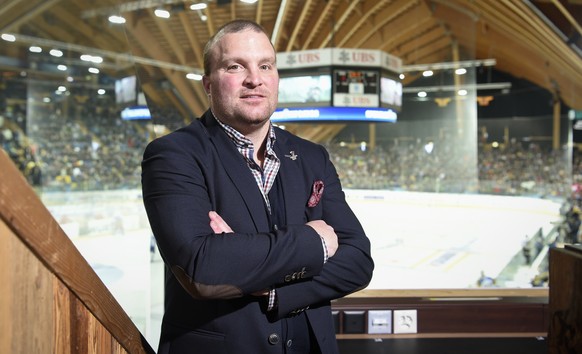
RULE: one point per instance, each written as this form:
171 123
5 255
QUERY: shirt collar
242 141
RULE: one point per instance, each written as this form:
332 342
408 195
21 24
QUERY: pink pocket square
315 194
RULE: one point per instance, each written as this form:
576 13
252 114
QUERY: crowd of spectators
409 166
514 169
98 152
93 149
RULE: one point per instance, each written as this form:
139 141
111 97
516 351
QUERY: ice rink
419 240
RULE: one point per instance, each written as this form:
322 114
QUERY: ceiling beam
378 22
29 15
415 56
353 23
102 39
281 16
8 5
259 12
568 16
193 39
119 57
170 39
522 23
299 25
422 40
192 94
322 11
417 19
210 19
345 10
233 10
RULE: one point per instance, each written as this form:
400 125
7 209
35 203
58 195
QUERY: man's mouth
252 95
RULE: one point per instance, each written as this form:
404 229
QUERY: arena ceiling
537 40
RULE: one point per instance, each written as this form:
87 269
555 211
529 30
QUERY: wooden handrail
22 211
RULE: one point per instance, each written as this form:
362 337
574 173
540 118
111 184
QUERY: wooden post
565 332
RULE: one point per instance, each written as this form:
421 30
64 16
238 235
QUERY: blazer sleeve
349 270
179 189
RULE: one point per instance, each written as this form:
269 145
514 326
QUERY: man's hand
217 224
328 235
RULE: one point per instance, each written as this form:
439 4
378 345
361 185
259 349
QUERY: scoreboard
356 88
339 84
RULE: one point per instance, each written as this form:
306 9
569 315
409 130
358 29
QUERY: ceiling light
203 18
8 37
421 94
116 19
93 70
199 6
162 13
462 92
401 76
35 49
461 71
62 89
101 92
62 67
249 1
92 58
192 76
427 73
56 53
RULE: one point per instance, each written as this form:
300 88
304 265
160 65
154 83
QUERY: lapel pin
293 156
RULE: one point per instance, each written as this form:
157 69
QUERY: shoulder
185 138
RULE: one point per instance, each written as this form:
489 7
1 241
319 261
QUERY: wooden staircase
52 301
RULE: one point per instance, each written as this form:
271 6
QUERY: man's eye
266 67
234 67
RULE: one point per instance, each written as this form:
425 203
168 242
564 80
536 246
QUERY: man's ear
206 84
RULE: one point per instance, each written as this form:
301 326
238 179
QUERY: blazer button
274 338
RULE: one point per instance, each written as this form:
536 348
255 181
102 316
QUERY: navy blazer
210 277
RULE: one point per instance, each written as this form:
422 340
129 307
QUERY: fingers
327 233
261 293
217 224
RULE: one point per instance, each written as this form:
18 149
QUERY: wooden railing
51 299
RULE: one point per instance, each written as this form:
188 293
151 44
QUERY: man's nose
253 77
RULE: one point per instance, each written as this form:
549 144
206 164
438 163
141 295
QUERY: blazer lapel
292 178
237 171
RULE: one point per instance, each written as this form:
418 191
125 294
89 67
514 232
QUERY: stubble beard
245 117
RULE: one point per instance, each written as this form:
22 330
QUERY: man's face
243 83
